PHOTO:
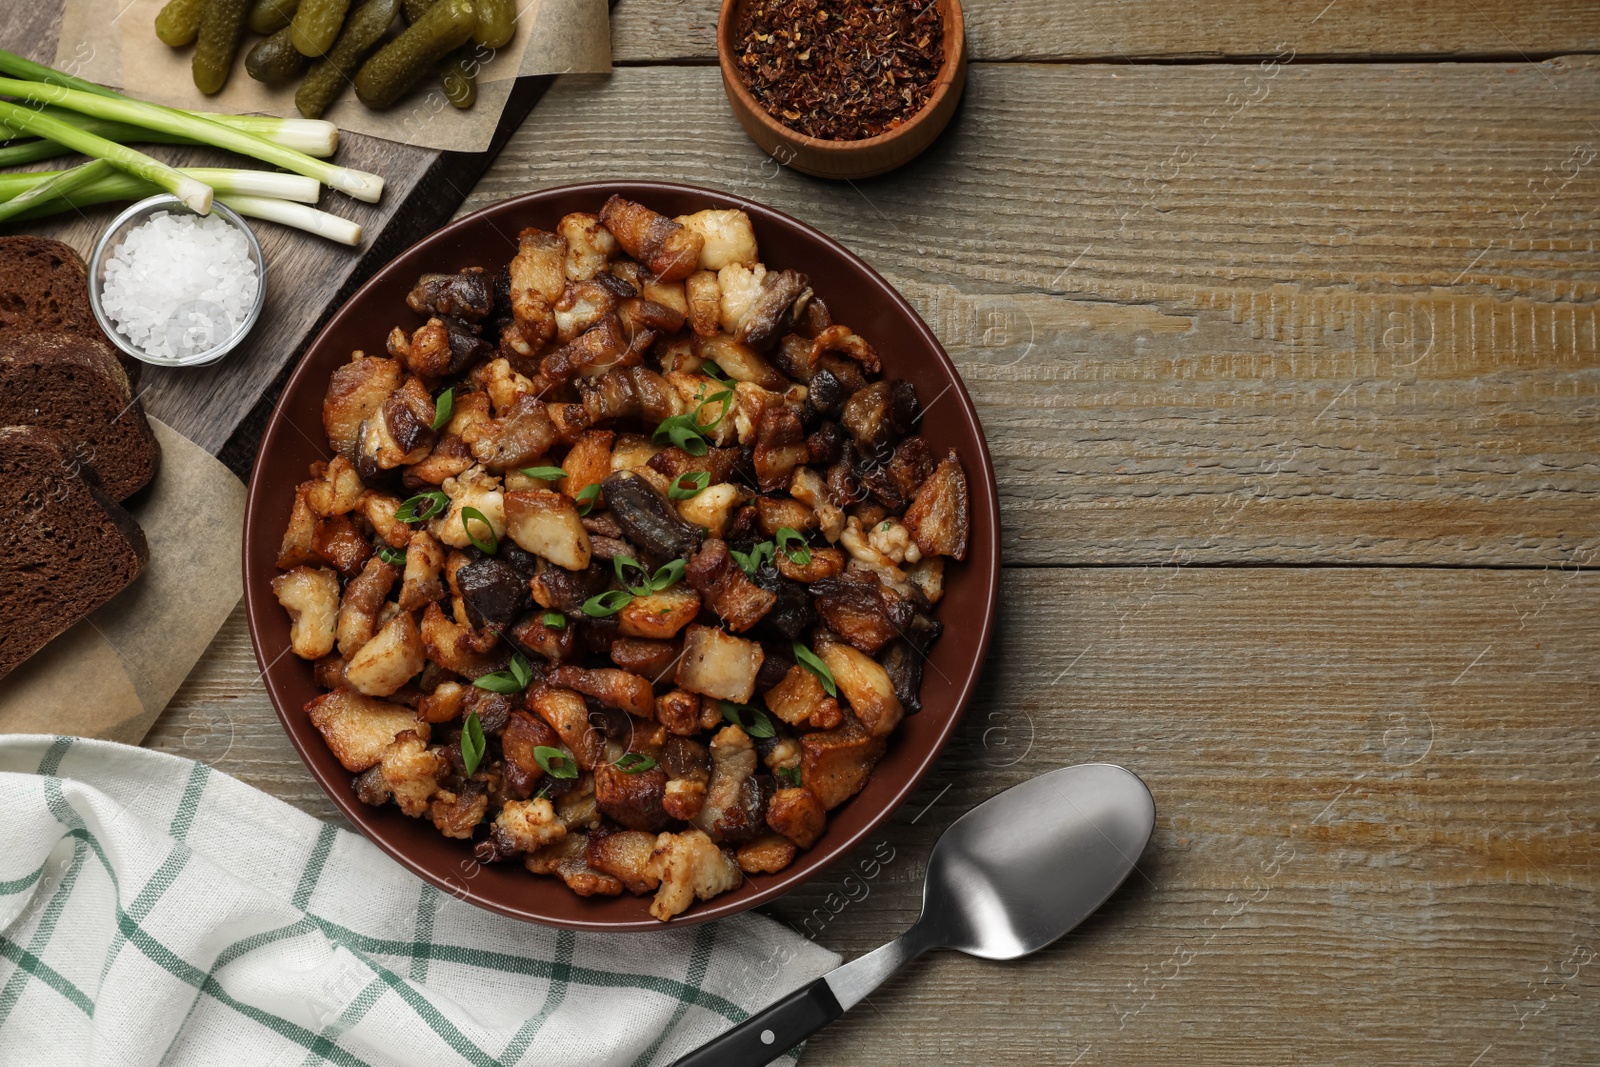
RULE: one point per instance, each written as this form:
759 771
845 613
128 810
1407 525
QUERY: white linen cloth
155 911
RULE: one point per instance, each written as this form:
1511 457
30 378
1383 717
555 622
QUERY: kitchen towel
155 911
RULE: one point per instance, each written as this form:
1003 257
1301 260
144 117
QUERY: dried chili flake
841 70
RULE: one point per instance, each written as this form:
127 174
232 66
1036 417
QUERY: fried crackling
670 249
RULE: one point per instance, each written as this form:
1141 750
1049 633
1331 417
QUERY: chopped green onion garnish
554 762
555 620
809 660
394 557
725 398
544 474
586 498
471 515
686 430
623 564
444 407
499 682
757 726
668 575
423 506
697 481
751 561
680 430
715 373
513 679
473 746
634 763
790 775
608 603
800 553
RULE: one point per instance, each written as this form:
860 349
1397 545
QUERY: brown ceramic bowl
857 296
846 159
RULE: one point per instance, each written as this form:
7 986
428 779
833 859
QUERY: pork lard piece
718 665
669 249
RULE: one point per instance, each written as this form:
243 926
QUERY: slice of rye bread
44 288
68 549
72 386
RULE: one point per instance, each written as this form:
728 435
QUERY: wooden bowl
857 296
847 159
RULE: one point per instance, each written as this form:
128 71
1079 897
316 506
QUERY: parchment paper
114 42
112 674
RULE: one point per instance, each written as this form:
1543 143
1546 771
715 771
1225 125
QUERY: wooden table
1282 321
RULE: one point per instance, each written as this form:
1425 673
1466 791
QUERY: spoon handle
770 1032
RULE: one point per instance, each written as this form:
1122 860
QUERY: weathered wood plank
1322 313
1376 825
305 275
1376 837
647 31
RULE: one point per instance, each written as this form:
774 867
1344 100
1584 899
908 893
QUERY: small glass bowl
112 239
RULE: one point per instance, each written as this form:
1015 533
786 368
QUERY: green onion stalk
274 197
15 155
359 184
300 216
17 151
223 180
196 195
313 137
111 131
61 183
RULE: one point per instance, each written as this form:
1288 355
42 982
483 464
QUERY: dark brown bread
73 386
44 288
67 549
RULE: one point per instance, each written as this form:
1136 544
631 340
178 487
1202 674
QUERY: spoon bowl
1006 879
1024 867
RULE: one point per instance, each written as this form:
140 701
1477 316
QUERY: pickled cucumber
221 25
458 74
497 22
444 27
179 21
270 16
415 8
275 59
362 32
316 25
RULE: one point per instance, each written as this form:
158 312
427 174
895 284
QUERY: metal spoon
1006 879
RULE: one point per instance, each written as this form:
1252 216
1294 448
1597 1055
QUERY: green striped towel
154 911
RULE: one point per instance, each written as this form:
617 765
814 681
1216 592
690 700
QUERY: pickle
275 59
444 27
362 32
415 8
179 21
316 25
458 74
270 16
221 25
497 22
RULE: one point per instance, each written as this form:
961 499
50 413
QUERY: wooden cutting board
307 277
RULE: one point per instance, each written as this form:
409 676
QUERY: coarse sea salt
180 285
